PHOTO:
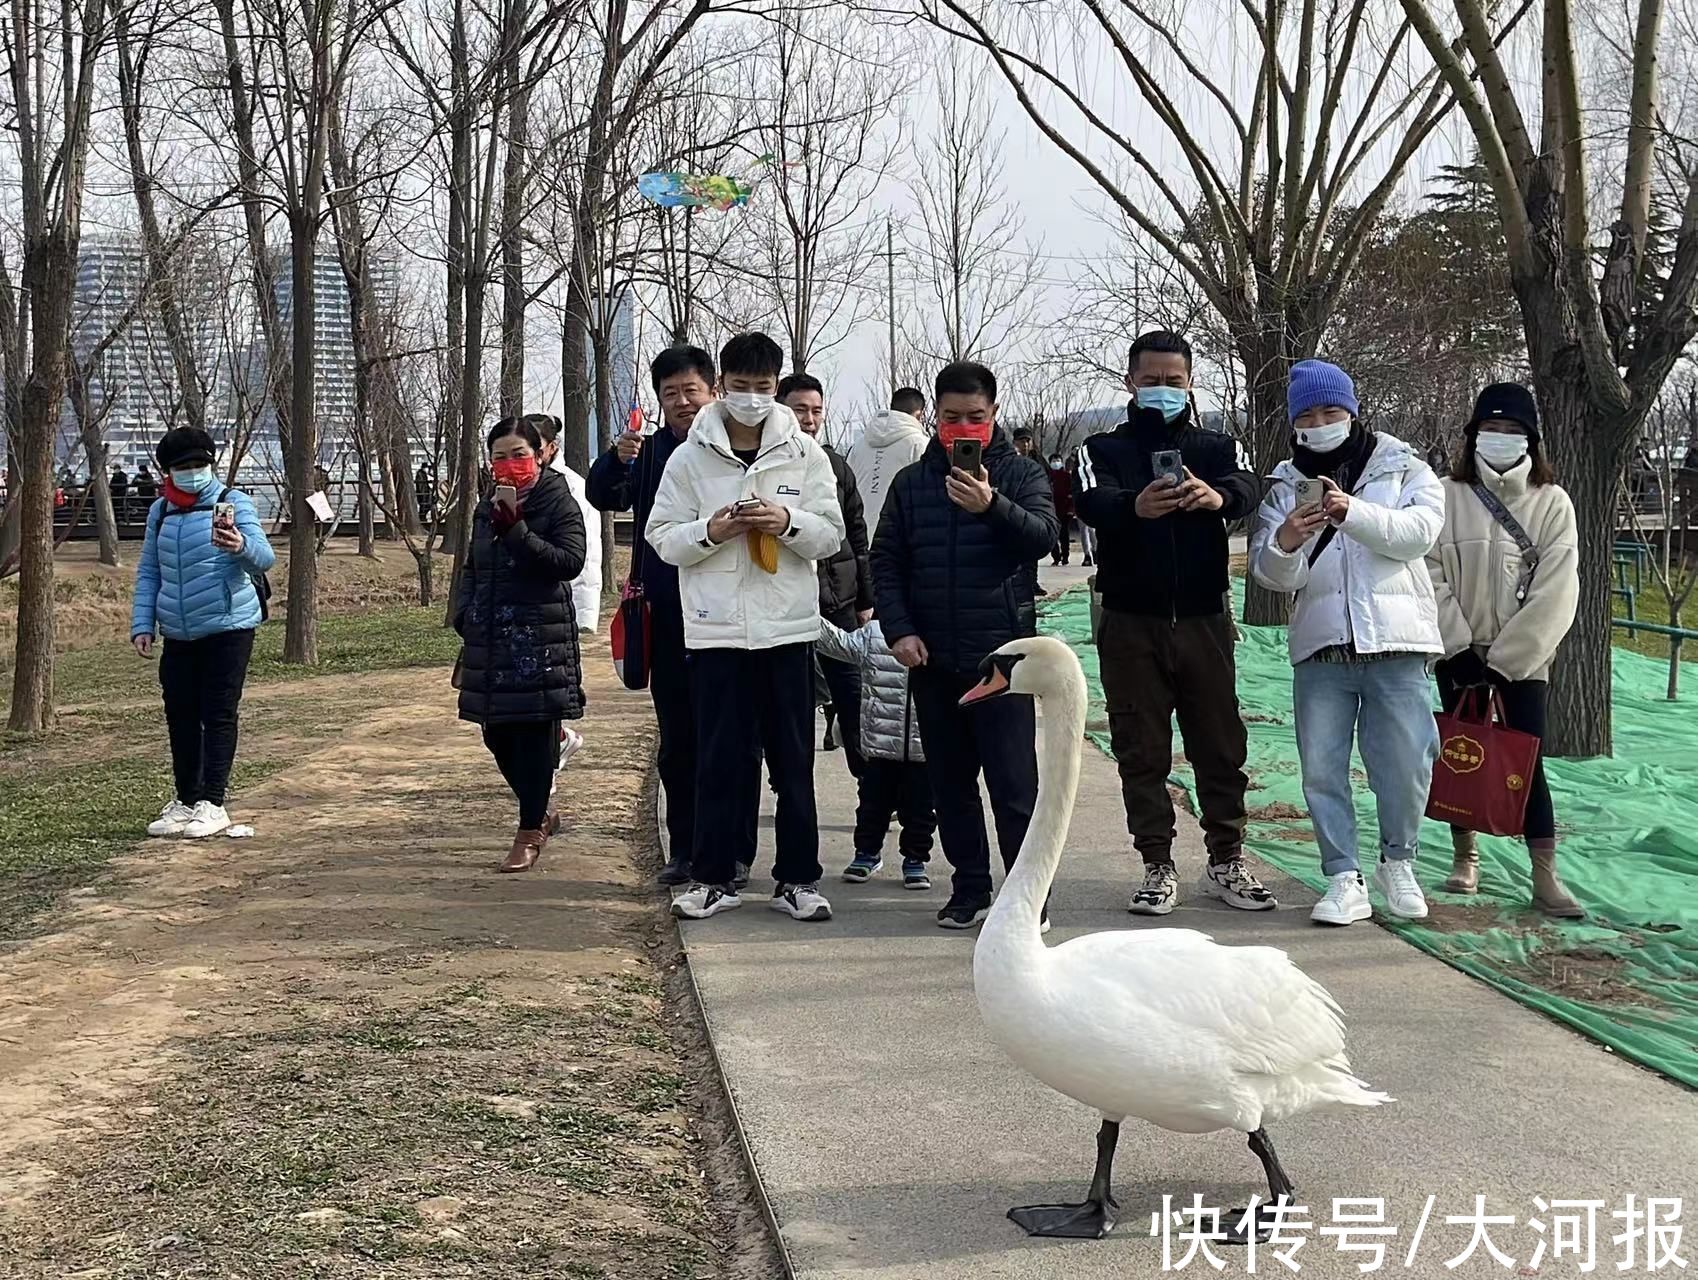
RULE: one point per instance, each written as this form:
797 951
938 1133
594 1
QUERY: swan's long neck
1011 929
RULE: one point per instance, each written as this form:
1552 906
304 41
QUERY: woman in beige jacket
1503 607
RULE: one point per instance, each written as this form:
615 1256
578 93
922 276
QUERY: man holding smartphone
1160 493
954 567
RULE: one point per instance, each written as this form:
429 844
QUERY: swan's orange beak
991 686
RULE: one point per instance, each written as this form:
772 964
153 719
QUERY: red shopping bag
630 634
1481 777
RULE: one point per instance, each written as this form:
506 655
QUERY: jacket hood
890 426
1390 454
710 430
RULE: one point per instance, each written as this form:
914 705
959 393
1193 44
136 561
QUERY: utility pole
890 285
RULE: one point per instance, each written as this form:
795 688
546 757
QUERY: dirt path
347 1048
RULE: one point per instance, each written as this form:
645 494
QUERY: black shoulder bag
1512 526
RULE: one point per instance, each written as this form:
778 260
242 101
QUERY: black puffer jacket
963 583
514 612
846 583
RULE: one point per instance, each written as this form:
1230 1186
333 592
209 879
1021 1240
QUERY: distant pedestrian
119 487
196 587
146 489
1061 492
424 492
894 438
1506 572
521 670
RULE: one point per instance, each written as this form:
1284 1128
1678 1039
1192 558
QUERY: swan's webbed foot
1091 1220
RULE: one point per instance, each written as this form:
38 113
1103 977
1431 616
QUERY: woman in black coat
519 665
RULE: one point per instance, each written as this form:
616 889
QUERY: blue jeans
1386 707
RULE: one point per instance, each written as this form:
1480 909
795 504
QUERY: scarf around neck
1341 465
177 497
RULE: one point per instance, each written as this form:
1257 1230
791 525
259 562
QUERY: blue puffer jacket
187 588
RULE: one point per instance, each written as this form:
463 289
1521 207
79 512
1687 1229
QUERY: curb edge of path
767 1211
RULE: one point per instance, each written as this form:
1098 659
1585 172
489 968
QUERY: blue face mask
1170 400
191 479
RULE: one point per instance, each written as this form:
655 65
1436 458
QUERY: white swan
1162 1024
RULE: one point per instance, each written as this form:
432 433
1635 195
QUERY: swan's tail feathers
1350 1090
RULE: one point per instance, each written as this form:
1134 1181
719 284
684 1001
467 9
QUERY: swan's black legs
1237 1230
1088 1221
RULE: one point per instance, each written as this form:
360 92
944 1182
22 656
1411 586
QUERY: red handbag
630 634
1484 768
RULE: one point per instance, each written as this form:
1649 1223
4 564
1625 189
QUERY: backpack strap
1512 526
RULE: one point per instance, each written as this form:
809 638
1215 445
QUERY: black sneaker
675 872
740 878
962 915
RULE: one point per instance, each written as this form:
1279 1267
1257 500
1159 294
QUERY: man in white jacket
746 507
893 439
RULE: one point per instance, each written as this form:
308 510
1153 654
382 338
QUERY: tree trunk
1589 455
300 640
574 379
604 435
49 273
471 396
1675 643
1269 445
513 247
457 527
105 519
363 505
421 558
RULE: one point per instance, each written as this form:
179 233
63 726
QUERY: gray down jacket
889 728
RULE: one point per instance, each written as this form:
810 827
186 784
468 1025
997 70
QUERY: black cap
1507 400
186 447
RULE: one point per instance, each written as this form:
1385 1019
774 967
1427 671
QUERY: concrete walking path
892 1137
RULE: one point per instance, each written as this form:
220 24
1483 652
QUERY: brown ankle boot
1549 894
1464 863
527 848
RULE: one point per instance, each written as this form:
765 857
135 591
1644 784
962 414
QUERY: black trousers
675 714
202 683
997 739
1524 704
1063 548
902 789
750 703
844 683
527 753
1153 668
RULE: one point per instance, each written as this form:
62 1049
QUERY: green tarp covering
1628 975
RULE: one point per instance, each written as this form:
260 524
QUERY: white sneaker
1346 901
801 902
171 820
1159 892
571 742
700 901
1395 878
208 820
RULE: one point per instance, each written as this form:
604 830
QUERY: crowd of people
778 577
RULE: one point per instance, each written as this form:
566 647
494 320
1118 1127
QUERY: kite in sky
693 190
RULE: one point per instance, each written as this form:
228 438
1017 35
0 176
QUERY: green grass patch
381 640
1650 606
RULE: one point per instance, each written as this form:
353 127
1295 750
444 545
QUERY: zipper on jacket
955 628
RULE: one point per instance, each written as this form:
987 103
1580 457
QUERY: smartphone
507 495
224 515
1310 493
744 506
968 454
1169 464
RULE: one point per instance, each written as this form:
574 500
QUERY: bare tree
982 284
52 68
1670 439
830 140
1290 168
1605 323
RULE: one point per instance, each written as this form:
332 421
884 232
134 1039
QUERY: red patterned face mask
521 473
949 432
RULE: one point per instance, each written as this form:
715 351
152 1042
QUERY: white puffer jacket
1475 566
892 441
586 587
1370 586
729 601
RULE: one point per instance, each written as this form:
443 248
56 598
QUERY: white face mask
1324 439
1501 450
748 407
